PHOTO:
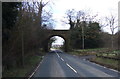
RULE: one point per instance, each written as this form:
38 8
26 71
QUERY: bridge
61 33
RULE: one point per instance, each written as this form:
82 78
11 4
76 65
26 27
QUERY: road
59 64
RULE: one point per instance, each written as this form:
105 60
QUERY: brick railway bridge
61 33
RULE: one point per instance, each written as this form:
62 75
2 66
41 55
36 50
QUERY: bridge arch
61 33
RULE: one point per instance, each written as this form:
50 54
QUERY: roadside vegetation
83 52
110 59
23 33
104 56
109 63
30 63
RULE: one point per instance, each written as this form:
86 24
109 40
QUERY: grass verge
109 63
84 52
30 63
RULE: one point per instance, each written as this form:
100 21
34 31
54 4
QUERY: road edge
31 75
88 59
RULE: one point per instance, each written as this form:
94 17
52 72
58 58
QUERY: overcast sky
101 7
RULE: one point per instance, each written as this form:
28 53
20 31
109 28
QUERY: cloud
102 7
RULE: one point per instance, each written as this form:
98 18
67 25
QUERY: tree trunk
83 36
112 41
22 38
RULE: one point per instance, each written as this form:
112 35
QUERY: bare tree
30 25
71 18
82 18
79 19
111 21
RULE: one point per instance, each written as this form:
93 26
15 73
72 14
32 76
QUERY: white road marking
62 59
103 66
35 69
58 55
67 63
42 56
114 70
71 67
84 59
